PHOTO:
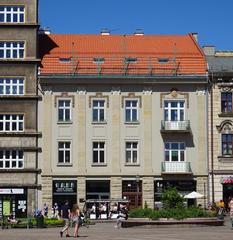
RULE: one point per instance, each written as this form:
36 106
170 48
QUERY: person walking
230 205
75 213
65 214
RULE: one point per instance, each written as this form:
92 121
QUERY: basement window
163 60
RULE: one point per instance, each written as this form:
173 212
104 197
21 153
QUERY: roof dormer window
64 60
98 60
163 60
130 60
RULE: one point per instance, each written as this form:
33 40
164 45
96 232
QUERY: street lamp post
137 196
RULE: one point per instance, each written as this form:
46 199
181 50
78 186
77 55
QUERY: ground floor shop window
99 192
97 189
64 190
183 187
13 201
227 188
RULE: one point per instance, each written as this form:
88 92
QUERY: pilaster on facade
148 192
116 187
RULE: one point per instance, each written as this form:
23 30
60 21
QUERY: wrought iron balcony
182 126
176 167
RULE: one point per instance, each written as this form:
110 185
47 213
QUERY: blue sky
212 19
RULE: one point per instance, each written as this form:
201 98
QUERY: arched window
226 130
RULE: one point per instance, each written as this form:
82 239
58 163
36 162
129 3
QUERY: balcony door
174 111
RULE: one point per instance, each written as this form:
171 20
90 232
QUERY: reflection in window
174 151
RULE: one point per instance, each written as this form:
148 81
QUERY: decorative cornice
225 127
147 91
116 91
98 95
48 92
174 93
131 95
64 95
81 91
200 92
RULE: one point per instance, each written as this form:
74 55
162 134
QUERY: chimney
195 35
209 50
139 32
105 31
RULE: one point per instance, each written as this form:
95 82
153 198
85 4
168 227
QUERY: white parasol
193 195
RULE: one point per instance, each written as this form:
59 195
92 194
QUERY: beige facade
81 131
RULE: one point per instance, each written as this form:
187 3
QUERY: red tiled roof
185 57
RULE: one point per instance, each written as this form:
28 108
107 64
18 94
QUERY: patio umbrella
193 195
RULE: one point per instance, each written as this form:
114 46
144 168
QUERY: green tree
172 199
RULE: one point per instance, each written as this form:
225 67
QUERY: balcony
175 126
176 168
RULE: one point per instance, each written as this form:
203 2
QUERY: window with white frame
174 110
174 151
11 123
131 110
98 110
131 153
64 110
11 86
12 14
11 159
11 50
227 144
64 152
98 152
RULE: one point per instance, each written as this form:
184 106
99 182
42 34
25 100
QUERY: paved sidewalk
106 231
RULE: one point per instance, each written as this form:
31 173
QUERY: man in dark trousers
65 214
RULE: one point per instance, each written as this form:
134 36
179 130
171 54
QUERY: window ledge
99 164
228 114
225 158
99 122
132 123
64 164
132 164
64 122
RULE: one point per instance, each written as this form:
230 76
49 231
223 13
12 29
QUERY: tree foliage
172 199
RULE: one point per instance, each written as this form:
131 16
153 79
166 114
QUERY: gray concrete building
220 123
18 107
122 116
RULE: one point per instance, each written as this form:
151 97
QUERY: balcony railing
176 167
175 125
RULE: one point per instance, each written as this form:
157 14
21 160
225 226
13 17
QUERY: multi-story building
122 116
220 123
18 107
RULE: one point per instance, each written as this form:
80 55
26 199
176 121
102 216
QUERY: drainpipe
206 190
212 138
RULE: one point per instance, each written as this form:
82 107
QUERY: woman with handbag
75 218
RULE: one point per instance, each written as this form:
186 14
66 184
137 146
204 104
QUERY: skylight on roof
163 60
64 60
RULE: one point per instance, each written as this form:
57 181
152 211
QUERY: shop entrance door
227 192
132 190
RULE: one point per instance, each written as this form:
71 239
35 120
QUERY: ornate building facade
122 116
220 123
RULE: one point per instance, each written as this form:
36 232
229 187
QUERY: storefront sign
11 191
64 187
227 180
